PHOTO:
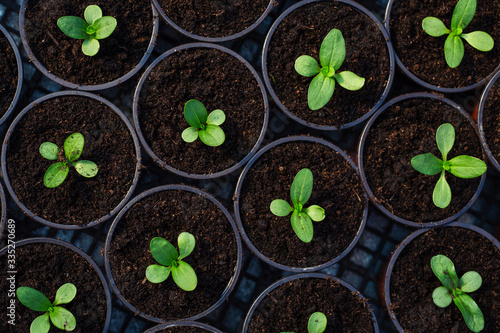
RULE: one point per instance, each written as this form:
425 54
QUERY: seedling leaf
453 50
306 66
90 46
470 282
320 91
63 319
465 166
442 192
280 207
302 225
463 13
441 297
157 273
473 316
445 138
163 251
86 168
73 146
317 323
195 113
212 135
444 269
33 299
428 164
479 40
55 175
41 324
65 294
190 134
92 13
216 117
186 243
434 27
301 188
72 26
184 276
104 27
332 50
49 150
349 80
315 212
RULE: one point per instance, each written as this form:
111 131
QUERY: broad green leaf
73 146
301 188
41 324
86 168
479 40
453 50
157 273
216 117
315 212
190 134
443 268
195 113
63 319
186 243
104 27
302 225
445 138
463 13
317 323
55 175
72 26
163 251
320 91
470 311
65 294
465 166
49 150
212 135
306 66
280 207
427 164
92 13
332 50
442 192
90 47
441 297
33 299
349 80
184 276
470 282
434 27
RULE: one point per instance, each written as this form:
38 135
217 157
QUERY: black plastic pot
279 283
6 145
480 121
75 86
202 326
147 147
237 208
401 247
361 166
305 122
3 212
124 211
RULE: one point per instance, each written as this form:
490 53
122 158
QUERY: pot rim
3 218
183 323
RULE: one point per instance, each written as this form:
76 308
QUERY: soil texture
491 120
8 74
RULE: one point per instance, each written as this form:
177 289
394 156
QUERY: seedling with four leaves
302 218
316 324
203 125
59 316
455 289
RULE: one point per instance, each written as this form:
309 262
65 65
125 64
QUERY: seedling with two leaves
203 125
316 324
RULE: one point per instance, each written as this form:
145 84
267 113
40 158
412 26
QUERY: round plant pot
488 121
300 31
220 79
403 128
60 57
212 21
409 280
46 264
421 56
287 304
11 74
337 189
183 326
110 142
166 211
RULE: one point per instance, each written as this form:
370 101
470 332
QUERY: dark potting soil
8 74
62 55
46 267
336 188
301 33
403 131
412 281
108 143
167 214
219 81
491 120
288 308
423 54
218 18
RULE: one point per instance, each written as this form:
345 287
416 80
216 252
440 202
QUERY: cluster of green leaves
59 316
57 172
453 46
170 261
300 192
331 57
455 289
462 166
316 324
203 125
94 27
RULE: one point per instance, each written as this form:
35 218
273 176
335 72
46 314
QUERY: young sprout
57 172
455 289
331 57
462 166
59 316
316 324
170 261
300 192
94 27
453 46
202 125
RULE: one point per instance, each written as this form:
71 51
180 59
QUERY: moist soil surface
8 74
491 120
403 131
412 281
167 214
288 308
301 33
218 18
336 188
423 55
108 143
62 55
46 267
219 81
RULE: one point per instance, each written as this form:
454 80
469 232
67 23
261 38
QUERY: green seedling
462 166
57 172
94 27
170 261
455 289
331 57
316 324
203 125
59 316
302 218
453 46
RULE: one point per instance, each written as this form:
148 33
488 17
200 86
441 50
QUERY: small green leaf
320 91
90 47
315 212
41 324
49 150
157 273
463 13
453 50
465 166
65 294
184 276
186 243
302 225
434 27
33 299
306 66
470 282
280 207
332 50
72 26
55 175
190 134
195 113
349 80
73 146
216 117
63 319
470 311
445 138
301 188
443 268
104 27
317 323
212 135
163 251
86 168
92 13
441 297
427 164
442 192
479 40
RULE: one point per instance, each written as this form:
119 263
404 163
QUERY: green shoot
316 324
203 125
